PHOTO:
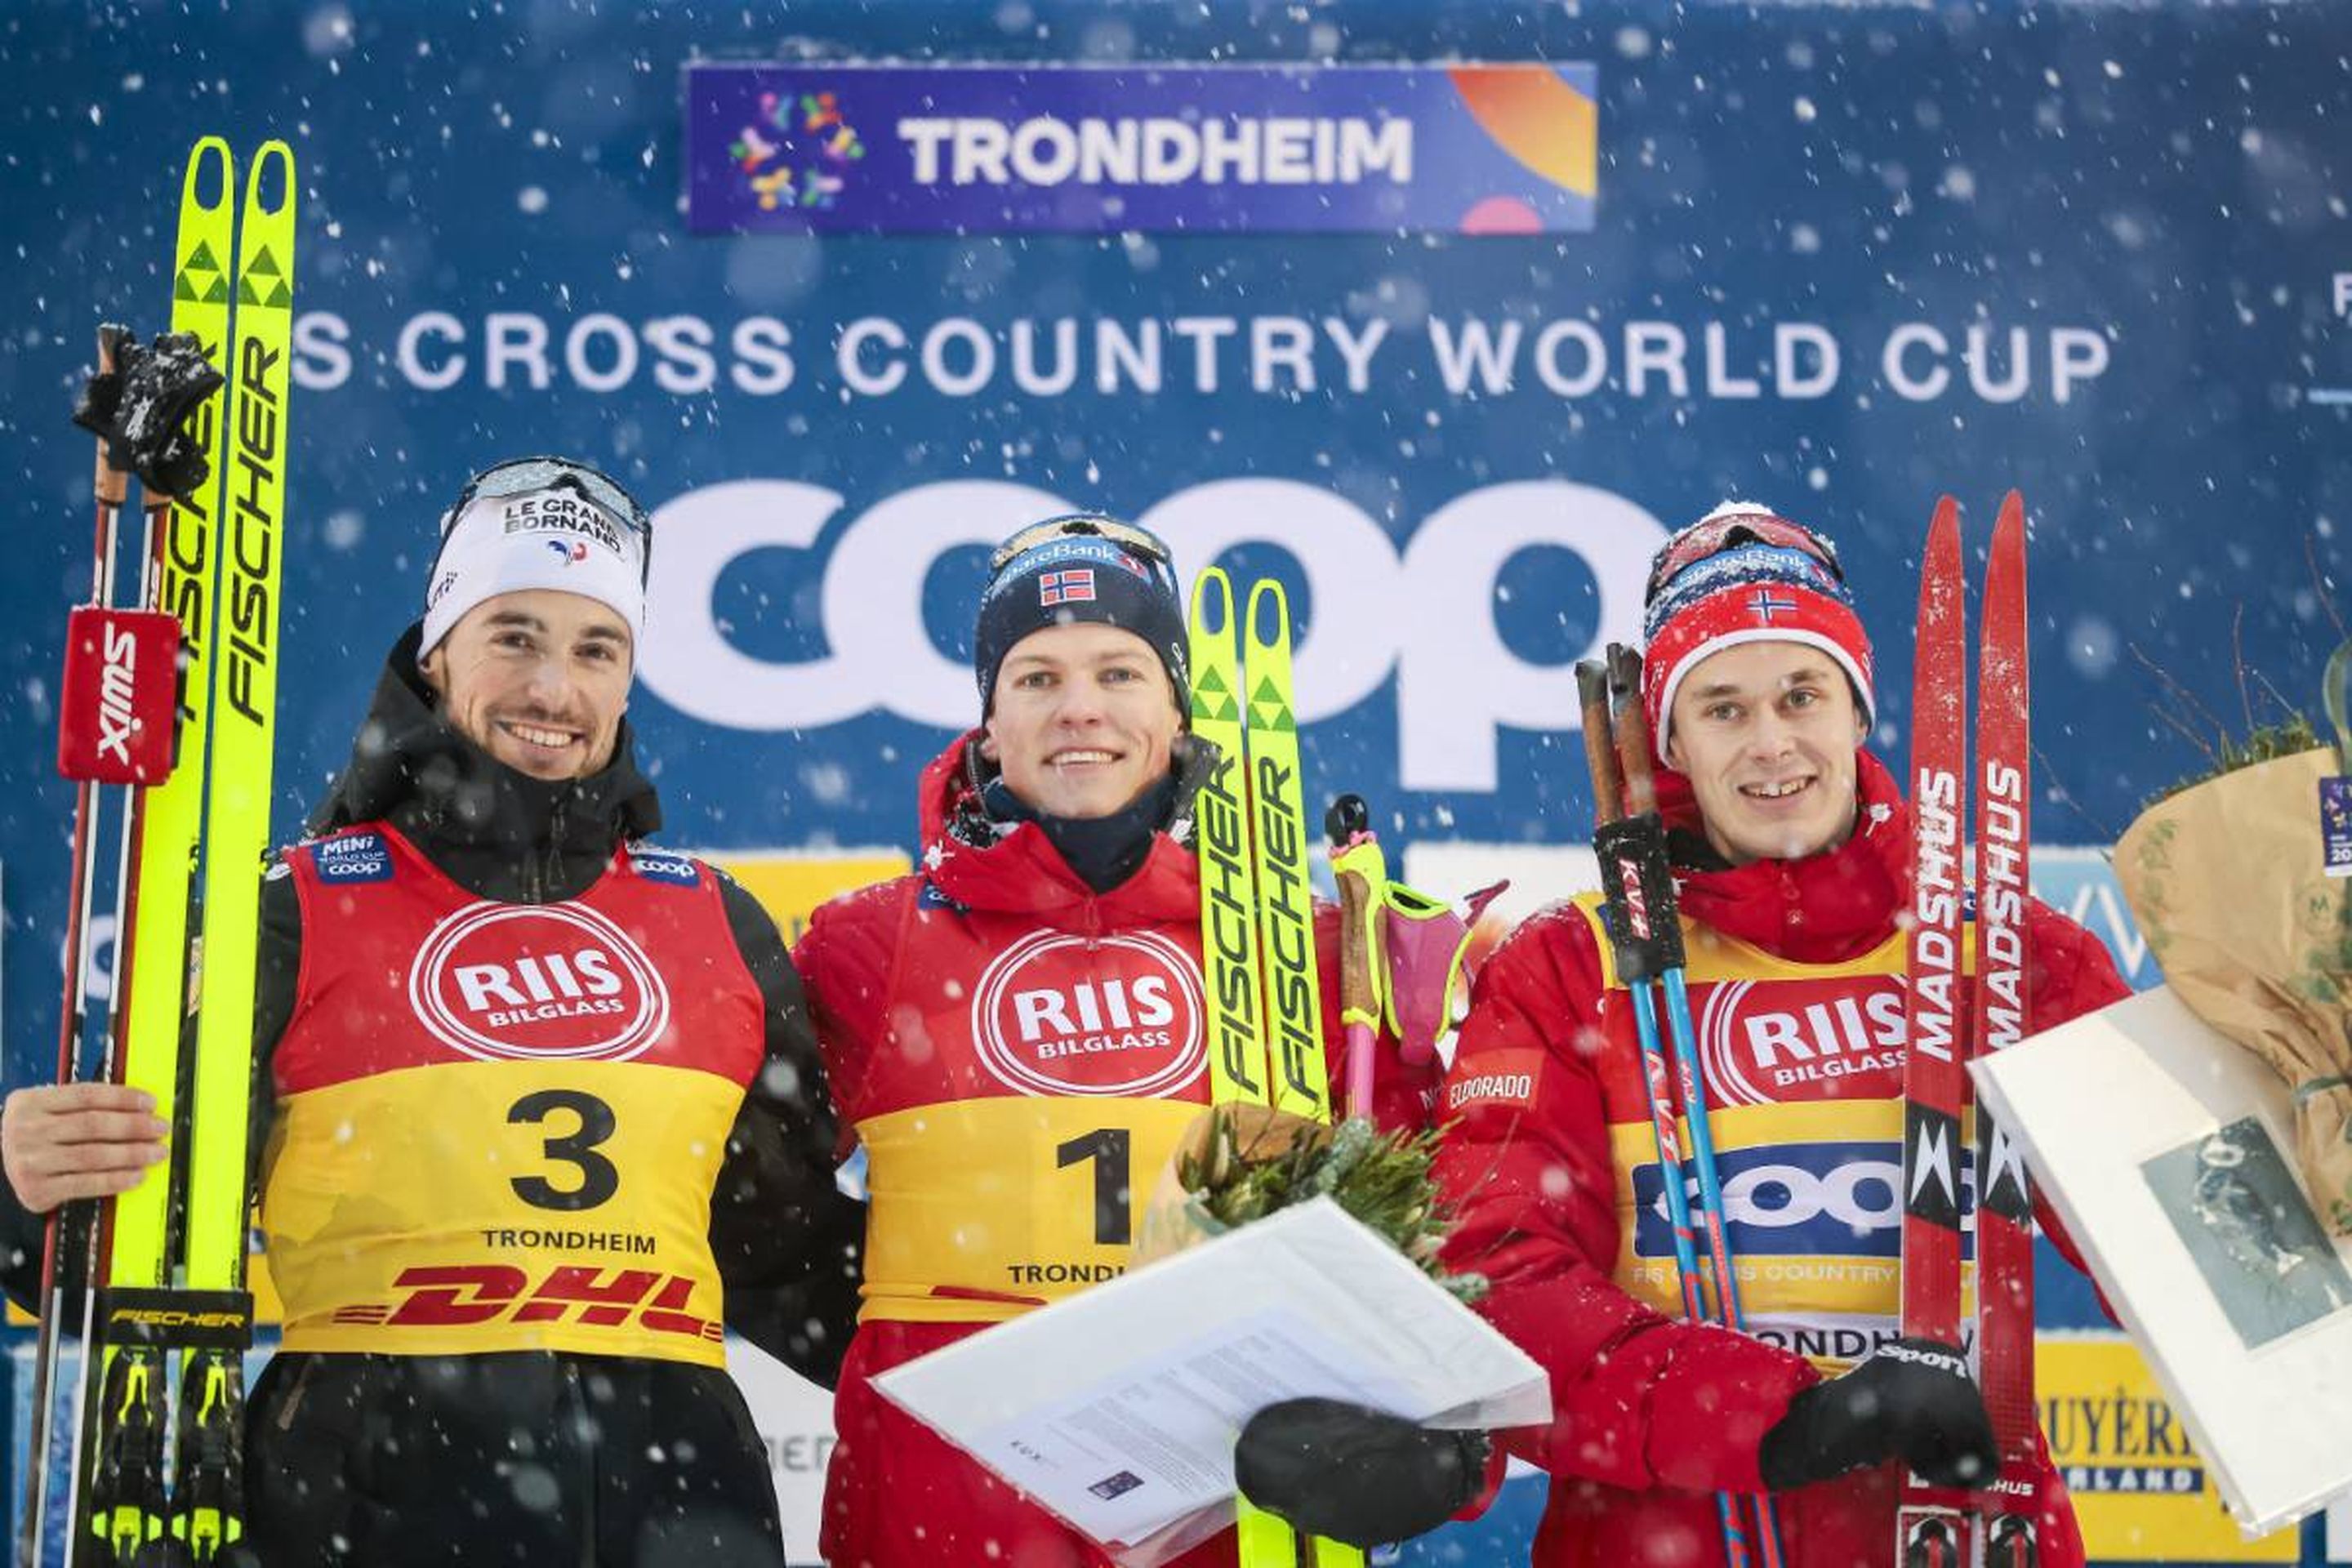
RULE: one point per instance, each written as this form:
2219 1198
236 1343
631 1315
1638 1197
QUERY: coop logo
1116 1016
1824 1200
536 982
1793 1040
1410 620
353 858
658 866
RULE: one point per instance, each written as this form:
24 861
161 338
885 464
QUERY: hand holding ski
67 1142
136 703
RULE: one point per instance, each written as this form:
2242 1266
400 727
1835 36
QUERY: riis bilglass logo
1468 149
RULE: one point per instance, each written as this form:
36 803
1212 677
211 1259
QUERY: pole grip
1632 722
1600 740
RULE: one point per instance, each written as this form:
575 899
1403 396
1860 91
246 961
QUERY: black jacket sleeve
789 1244
277 968
21 1239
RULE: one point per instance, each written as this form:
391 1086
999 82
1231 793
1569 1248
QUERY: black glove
1912 1401
1355 1475
140 408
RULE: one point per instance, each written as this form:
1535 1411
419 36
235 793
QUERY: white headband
554 537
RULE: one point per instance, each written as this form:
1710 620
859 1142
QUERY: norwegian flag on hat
1065 586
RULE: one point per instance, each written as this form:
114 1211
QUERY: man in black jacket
537 1106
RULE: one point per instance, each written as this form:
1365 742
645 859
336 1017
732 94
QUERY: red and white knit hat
1743 573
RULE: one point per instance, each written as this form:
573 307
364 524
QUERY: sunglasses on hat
1126 535
521 476
1714 535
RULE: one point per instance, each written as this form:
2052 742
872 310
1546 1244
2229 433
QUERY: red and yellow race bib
499 1124
1804 1067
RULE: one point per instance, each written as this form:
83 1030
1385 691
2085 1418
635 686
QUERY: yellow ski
1257 911
207 1503
126 1501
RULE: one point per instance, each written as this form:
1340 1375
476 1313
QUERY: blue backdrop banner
1838 258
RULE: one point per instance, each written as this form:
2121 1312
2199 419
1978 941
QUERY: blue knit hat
1084 566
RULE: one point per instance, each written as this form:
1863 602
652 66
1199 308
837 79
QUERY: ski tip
273 170
1212 602
210 167
2012 513
2004 601
1624 676
1592 683
1266 598
1947 520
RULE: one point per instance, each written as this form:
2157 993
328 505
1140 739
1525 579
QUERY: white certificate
2167 1149
1117 1408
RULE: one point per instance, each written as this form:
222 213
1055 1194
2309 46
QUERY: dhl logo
440 1295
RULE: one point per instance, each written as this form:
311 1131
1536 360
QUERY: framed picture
2166 1150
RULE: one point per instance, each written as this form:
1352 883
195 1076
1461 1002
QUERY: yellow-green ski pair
1257 911
218 567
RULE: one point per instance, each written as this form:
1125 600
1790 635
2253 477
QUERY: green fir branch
2264 743
1382 1179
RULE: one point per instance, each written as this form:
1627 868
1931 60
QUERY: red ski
1930 1525
1934 1526
2004 1196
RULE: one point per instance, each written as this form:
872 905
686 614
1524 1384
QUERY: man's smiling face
1767 731
1083 719
538 679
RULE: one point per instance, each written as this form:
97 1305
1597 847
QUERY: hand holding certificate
1117 1408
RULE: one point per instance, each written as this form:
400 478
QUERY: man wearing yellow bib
1015 1034
537 1106
1793 850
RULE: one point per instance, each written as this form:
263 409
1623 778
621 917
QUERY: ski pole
115 720
119 1476
1631 729
1609 813
1360 872
71 1228
1638 884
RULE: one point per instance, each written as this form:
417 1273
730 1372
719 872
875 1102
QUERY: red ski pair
1952 961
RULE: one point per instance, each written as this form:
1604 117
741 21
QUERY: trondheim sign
1466 149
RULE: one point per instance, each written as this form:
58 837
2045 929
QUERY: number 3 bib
499 1124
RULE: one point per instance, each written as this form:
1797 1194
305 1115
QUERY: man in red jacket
1793 844
1015 1034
